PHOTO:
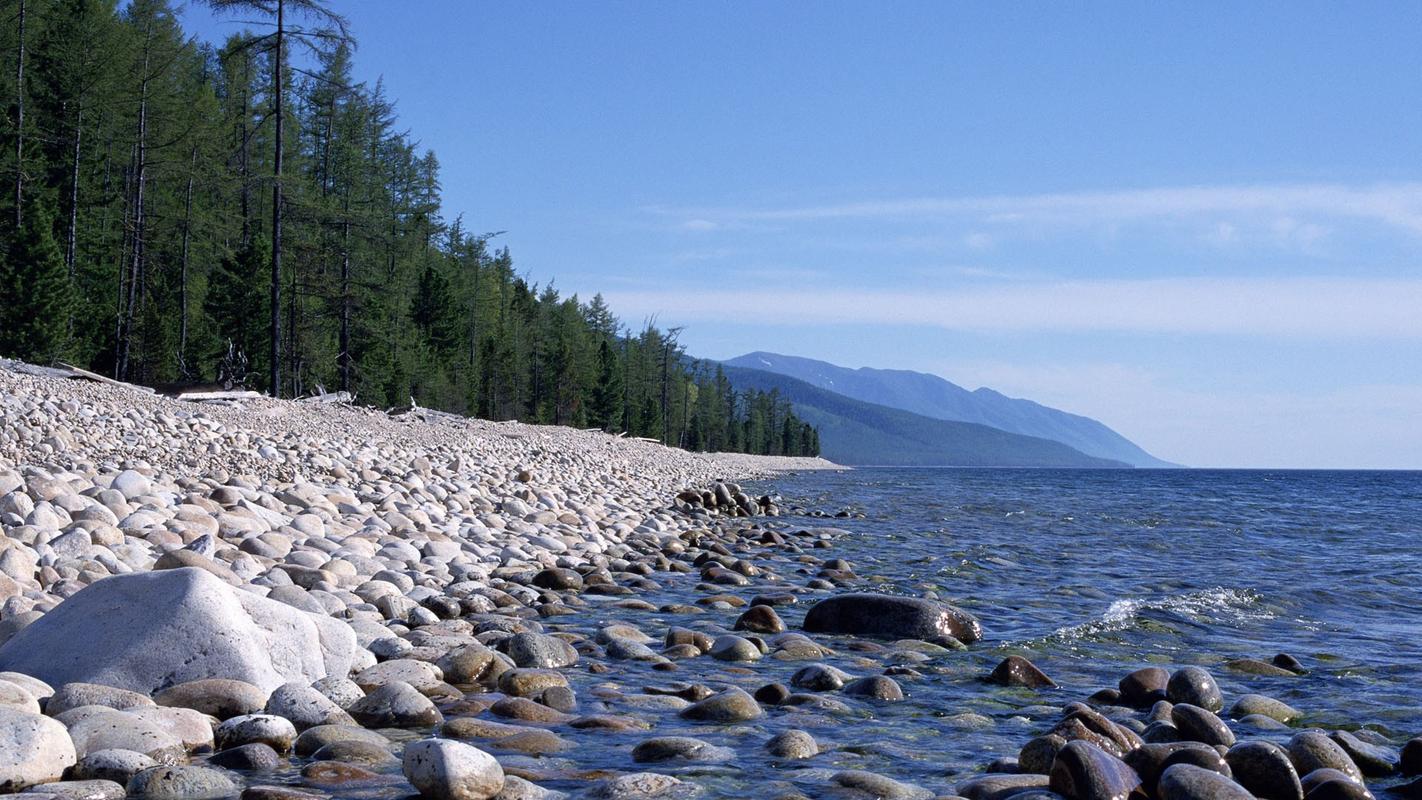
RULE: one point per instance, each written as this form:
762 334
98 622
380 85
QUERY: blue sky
1200 223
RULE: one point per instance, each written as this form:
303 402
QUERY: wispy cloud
1313 308
1397 205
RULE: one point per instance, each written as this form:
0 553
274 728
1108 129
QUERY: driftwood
329 397
76 372
37 371
233 395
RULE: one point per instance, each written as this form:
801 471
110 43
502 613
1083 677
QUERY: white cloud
1394 204
1310 308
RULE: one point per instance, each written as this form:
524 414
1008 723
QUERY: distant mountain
932 396
858 433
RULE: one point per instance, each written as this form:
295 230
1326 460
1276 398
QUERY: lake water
1092 574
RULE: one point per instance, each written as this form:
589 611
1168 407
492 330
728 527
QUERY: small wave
1194 608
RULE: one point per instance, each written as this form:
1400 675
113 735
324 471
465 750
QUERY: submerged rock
889 616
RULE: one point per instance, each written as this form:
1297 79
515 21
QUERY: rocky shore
289 601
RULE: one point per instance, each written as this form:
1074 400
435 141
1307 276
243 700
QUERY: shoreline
286 601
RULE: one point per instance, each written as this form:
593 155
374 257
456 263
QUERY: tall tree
329 26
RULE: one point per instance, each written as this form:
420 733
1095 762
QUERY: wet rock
772 694
112 765
1248 704
80 790
681 748
540 651
820 678
313 739
558 580
1151 760
305 707
1036 756
219 697
395 705
1374 761
275 732
1018 671
147 631
181 783
888 616
638 786
530 682
340 775
254 757
1313 750
446 770
760 619
1265 770
1199 725
1195 686
793 744
1289 663
735 648
1410 761
999 787
1188 782
33 749
1253 666
876 687
1330 784
731 705
1086 772
879 786
526 710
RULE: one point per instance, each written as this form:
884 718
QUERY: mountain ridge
937 398
856 433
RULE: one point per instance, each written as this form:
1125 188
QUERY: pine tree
36 296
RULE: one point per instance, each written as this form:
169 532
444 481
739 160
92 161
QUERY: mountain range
899 417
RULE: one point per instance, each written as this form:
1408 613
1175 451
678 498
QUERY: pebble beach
281 600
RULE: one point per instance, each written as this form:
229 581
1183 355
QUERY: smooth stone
1247 704
181 783
999 787
681 748
882 615
731 705
1374 761
540 651
877 687
1313 750
33 749
442 769
526 710
637 786
759 619
275 732
1189 782
395 705
79 790
1335 787
223 698
147 631
735 648
793 744
1196 724
1195 686
879 786
78 693
1018 671
254 757
1253 666
116 730
313 739
523 682
112 765
1151 760
820 678
354 751
305 707
1144 687
1086 772
1265 770
1411 759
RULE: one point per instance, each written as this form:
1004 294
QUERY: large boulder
152 630
892 617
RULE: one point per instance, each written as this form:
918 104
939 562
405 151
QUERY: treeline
181 213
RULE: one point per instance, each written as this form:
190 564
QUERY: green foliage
36 299
146 245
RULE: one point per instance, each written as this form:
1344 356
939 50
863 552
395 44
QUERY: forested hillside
253 215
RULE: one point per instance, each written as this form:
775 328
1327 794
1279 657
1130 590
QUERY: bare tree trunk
183 280
345 356
71 242
243 158
136 277
20 126
275 382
